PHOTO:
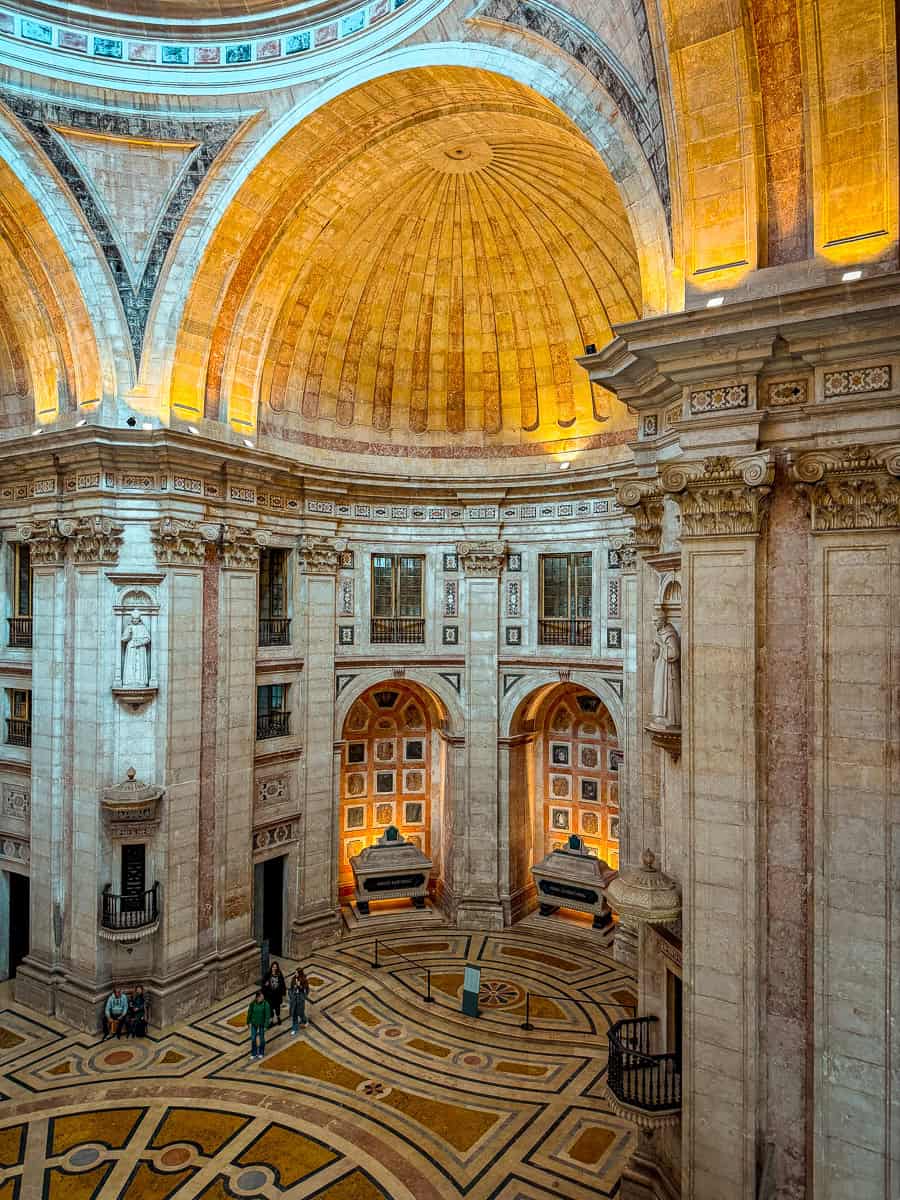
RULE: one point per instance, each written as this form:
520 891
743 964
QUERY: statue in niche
136 652
666 708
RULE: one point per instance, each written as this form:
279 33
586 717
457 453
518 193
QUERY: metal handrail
398 630
526 1024
274 631
20 630
564 631
429 999
18 732
272 724
651 1082
129 912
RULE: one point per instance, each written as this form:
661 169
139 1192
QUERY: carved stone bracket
645 503
178 543
319 555
482 559
96 540
721 496
667 737
47 540
851 487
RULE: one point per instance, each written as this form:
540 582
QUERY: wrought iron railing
18 732
19 631
272 725
398 630
564 631
129 911
650 1082
275 631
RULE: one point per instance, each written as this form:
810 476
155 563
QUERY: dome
645 894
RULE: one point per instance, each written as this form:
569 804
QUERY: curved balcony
129 918
644 1087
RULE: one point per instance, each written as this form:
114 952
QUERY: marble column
478 830
722 503
318 914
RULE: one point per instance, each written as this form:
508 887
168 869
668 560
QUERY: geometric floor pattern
385 1096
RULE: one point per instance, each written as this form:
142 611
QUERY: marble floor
384 1095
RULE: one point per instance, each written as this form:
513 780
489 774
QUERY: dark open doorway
269 897
19 920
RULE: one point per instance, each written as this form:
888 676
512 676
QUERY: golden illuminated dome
453 244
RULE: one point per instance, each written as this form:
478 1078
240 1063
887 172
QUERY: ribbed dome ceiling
445 280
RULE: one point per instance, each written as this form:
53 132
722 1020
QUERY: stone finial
645 894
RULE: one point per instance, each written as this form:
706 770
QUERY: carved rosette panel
482 559
852 487
95 540
721 496
645 503
47 540
178 543
319 555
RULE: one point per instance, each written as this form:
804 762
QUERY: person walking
298 997
258 1016
137 1013
274 988
115 1013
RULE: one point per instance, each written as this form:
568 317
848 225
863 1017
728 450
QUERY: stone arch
525 689
184 313
424 679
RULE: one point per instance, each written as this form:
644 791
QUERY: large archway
393 772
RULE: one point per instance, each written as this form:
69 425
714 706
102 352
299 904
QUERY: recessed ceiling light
851 276
194 429
715 302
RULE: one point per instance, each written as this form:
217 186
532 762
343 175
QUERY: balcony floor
382 1096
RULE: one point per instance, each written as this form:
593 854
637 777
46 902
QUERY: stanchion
376 963
429 999
527 1022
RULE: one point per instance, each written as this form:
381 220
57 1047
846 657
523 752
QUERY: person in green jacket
259 1014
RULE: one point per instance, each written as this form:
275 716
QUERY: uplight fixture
35 432
564 466
194 429
148 425
715 302
83 421
851 276
248 443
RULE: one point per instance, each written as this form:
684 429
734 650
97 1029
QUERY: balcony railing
398 630
637 1078
564 631
272 725
123 913
19 631
275 631
18 732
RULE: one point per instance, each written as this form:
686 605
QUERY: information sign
471 988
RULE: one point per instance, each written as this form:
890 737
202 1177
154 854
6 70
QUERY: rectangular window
18 723
22 599
272 716
565 600
274 622
397 598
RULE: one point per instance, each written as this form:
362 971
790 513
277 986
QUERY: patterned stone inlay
720 399
857 380
782 392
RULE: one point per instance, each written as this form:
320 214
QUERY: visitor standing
115 1013
258 1016
137 1013
274 988
298 997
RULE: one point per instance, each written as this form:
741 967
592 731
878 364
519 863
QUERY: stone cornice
850 487
721 496
482 559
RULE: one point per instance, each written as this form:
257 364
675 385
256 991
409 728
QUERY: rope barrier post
376 963
429 999
527 1023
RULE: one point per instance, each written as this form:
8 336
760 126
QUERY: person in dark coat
137 1013
298 996
274 988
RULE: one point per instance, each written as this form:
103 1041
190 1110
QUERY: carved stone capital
626 548
851 487
645 503
319 555
178 543
721 496
47 541
240 547
96 540
482 559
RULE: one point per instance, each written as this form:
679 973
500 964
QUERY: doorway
19 920
134 876
268 894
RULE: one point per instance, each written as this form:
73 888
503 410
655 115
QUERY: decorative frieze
318 555
721 496
271 836
856 381
644 502
178 543
719 399
96 539
851 487
15 849
482 558
780 393
47 541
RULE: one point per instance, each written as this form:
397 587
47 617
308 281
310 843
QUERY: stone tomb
574 878
392 869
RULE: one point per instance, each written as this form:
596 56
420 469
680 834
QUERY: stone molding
721 496
482 559
178 543
319 555
47 540
95 539
850 487
645 503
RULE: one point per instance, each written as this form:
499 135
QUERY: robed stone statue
136 653
666 674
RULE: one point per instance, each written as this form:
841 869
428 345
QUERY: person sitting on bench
115 1013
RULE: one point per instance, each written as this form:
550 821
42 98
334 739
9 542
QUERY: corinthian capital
645 503
96 540
851 487
240 547
319 555
482 558
47 541
721 496
178 543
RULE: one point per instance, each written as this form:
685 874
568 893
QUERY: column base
309 932
479 914
519 904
